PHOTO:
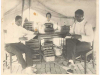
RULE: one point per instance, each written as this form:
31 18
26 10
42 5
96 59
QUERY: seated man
15 34
55 26
82 36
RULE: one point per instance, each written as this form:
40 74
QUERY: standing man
15 34
82 36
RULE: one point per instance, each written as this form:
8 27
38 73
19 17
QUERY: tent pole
22 9
29 8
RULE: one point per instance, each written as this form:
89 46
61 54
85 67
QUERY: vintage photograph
49 37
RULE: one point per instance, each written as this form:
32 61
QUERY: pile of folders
48 51
34 45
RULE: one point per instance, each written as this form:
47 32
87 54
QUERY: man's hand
23 38
24 35
76 36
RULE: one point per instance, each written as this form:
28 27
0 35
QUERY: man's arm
41 29
9 36
76 36
28 34
55 26
72 29
88 37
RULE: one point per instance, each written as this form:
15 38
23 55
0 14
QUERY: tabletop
53 35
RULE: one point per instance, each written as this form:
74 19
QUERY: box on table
49 59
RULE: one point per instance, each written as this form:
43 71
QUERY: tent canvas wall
60 9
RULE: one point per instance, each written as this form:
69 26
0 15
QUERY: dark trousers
19 48
74 46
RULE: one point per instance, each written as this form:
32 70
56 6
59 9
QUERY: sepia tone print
49 37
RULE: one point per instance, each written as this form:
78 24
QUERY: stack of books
48 52
28 26
34 45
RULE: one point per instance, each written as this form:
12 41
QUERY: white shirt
14 32
55 26
84 29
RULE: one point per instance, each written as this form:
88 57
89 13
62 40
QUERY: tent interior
62 11
35 10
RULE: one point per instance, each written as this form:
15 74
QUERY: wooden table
42 36
53 35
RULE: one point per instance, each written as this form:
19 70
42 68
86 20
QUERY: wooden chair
10 55
7 54
85 54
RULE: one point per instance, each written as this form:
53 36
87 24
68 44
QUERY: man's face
78 17
48 17
19 22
